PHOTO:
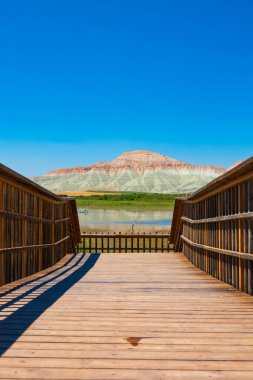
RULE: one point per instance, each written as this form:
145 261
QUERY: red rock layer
139 161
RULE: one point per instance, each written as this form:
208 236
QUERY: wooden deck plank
125 316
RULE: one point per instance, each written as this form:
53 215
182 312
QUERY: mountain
138 171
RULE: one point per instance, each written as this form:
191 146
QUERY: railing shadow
39 285
34 280
14 325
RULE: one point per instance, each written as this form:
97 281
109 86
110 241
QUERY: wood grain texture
125 316
216 226
37 228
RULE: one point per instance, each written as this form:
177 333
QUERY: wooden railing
123 243
214 227
37 228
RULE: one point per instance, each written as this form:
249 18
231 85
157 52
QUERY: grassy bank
125 200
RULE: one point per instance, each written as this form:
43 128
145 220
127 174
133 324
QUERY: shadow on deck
17 315
132 317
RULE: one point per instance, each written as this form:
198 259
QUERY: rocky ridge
141 170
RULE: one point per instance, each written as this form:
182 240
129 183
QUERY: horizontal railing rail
34 246
29 217
124 243
244 215
227 252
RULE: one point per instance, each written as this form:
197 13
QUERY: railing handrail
227 252
14 178
34 246
241 215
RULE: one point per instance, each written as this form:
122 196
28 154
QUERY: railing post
84 244
90 242
24 236
240 239
40 235
119 243
114 244
102 243
2 274
53 233
206 237
96 243
250 237
220 237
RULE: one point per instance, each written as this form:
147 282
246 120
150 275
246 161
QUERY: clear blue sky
84 80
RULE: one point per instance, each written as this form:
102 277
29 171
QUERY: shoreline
128 207
139 201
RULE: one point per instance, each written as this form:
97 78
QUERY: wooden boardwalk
125 316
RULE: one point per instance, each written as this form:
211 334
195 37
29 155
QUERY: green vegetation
153 200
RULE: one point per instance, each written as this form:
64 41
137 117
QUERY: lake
125 220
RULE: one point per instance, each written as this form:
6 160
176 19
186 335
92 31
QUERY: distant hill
138 171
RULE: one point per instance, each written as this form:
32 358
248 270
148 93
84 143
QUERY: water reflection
125 220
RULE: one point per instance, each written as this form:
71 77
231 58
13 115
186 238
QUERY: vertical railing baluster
2 267
119 243
90 244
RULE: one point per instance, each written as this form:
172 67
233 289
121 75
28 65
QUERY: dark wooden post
220 236
1 237
53 233
40 235
240 239
24 235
